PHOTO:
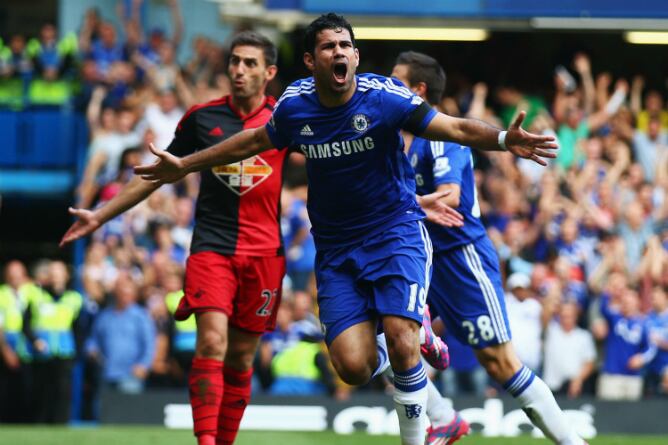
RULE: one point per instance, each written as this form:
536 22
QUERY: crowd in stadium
583 243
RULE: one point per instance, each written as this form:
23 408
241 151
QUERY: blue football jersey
360 182
626 337
437 163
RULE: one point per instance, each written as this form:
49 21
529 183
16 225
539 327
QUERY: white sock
383 357
439 411
538 403
410 401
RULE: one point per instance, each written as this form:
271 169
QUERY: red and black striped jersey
238 207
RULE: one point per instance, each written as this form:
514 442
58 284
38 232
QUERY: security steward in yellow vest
50 325
53 59
303 368
15 358
16 69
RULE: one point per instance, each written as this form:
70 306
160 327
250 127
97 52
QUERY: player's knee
240 358
352 369
402 347
211 344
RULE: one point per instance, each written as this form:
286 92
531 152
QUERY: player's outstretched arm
477 134
169 168
89 221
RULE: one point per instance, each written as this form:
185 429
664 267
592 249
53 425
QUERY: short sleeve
588 347
403 109
449 165
97 146
185 139
276 127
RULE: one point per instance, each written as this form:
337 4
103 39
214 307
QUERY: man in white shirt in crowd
567 376
524 316
162 116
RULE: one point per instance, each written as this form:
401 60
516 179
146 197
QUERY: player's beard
327 80
251 88
345 86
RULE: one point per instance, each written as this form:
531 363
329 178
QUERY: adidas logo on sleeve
306 131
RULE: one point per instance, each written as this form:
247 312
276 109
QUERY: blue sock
411 380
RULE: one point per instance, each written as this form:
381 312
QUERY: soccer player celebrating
236 266
373 252
466 289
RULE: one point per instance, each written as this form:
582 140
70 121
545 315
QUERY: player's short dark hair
423 68
325 21
253 38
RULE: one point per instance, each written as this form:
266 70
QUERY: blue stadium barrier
9 129
36 182
49 140
43 151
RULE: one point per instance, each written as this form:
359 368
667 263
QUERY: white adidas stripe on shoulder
295 91
298 89
375 84
398 88
301 86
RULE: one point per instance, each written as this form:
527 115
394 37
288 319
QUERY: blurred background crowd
582 243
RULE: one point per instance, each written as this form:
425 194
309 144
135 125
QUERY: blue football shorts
467 293
386 274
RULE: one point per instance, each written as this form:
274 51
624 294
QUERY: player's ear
309 61
271 72
420 89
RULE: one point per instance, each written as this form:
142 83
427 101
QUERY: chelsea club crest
360 123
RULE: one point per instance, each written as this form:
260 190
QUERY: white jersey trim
488 291
303 88
364 84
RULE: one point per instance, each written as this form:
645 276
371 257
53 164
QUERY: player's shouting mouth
340 71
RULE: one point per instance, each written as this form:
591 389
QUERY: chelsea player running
466 289
373 252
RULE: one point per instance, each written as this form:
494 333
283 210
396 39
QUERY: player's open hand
439 212
166 169
528 145
86 224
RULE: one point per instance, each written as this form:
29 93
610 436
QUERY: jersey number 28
484 329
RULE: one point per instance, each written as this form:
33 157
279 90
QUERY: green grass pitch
110 435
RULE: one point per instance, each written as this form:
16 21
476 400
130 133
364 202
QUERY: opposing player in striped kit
236 264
